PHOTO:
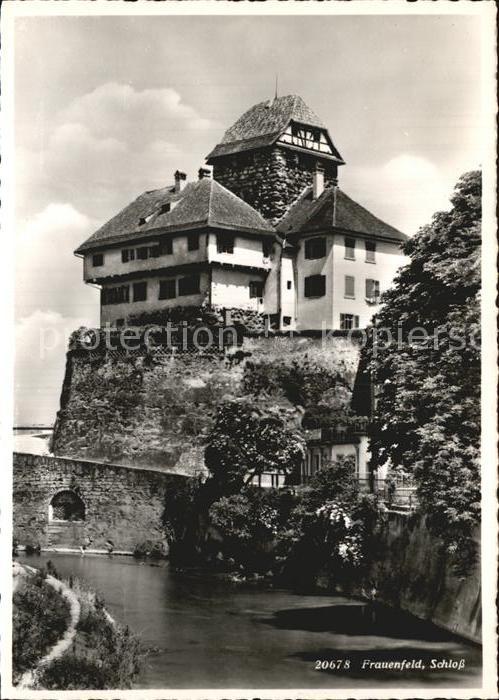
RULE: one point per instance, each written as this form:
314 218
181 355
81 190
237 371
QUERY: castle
270 234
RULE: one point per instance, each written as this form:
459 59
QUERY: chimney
204 173
180 179
318 182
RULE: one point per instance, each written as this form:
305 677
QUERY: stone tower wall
270 179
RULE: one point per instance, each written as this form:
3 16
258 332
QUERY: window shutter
350 286
167 289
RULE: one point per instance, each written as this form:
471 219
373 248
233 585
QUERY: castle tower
272 152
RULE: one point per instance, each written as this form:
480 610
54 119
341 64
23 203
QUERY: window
115 295
372 290
348 321
315 286
166 247
188 285
286 320
167 289
97 260
140 289
349 287
256 289
154 251
349 248
225 243
193 241
315 248
142 253
370 251
289 284
127 254
267 249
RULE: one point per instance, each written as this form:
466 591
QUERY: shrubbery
149 548
326 527
104 657
40 618
103 654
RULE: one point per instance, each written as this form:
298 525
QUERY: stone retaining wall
416 575
123 505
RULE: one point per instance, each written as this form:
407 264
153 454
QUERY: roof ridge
369 211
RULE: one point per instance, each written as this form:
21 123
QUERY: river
208 633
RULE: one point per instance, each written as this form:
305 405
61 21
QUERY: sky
108 107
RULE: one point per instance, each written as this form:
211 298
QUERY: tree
427 418
248 440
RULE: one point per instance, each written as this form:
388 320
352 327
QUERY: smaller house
325 445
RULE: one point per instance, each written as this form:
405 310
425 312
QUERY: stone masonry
270 179
123 505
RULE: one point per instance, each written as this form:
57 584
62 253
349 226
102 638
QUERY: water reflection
212 634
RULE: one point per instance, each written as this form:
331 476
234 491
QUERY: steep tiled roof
333 210
263 123
205 203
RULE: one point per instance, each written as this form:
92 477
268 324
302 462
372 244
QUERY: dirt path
28 679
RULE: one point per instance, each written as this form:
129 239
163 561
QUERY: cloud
106 147
41 342
102 150
128 111
48 275
405 191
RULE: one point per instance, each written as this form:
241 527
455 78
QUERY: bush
109 660
103 654
40 618
250 524
32 548
154 550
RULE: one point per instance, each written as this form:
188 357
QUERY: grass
104 655
40 618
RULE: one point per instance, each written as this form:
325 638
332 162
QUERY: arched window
66 505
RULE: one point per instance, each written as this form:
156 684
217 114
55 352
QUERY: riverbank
64 638
204 632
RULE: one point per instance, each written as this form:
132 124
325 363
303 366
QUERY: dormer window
145 219
165 208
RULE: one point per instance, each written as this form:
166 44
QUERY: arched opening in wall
66 506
